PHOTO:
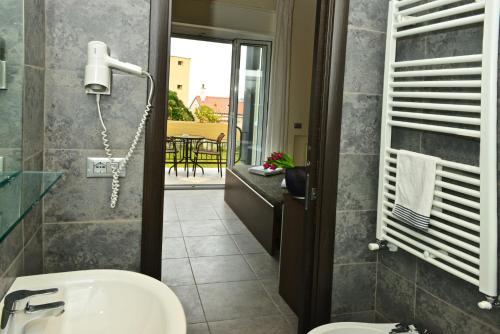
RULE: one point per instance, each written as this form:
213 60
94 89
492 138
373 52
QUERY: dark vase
296 181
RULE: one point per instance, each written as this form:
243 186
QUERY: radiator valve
490 303
382 245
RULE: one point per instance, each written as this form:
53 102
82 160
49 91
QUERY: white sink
101 301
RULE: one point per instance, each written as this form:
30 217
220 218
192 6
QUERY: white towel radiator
450 95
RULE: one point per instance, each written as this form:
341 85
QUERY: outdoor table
187 149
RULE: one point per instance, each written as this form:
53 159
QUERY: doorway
218 269
217 109
314 280
198 113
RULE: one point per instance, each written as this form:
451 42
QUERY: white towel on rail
415 182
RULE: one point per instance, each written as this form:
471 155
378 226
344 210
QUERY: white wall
303 30
252 17
256 19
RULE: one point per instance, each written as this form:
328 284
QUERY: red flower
266 165
273 167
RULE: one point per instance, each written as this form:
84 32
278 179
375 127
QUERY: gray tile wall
395 286
412 290
80 230
21 253
355 268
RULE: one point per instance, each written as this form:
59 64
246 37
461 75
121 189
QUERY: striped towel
415 182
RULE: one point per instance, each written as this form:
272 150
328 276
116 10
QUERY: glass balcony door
249 102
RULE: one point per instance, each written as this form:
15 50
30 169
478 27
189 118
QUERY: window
180 62
179 87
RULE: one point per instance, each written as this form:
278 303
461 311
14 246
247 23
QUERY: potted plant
295 177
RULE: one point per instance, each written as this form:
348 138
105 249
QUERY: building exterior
179 77
220 105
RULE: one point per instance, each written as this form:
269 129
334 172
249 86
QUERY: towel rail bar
458 200
435 243
438 72
458 211
438 84
460 189
448 175
445 185
441 26
451 229
436 128
403 3
458 177
451 219
452 198
437 106
439 61
446 217
438 95
438 118
420 254
445 227
424 7
445 163
455 220
441 255
441 195
440 14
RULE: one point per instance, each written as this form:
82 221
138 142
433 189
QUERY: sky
210 65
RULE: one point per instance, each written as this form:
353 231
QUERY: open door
250 86
249 101
154 138
323 161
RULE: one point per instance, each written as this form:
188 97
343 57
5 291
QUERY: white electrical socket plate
102 167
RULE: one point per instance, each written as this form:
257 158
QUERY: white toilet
354 328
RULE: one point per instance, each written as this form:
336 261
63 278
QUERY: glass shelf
19 194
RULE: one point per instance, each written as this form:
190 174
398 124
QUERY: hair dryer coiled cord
115 183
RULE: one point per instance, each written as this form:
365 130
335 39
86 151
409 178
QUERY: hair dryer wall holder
98 69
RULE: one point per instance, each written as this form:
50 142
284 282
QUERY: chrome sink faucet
17 302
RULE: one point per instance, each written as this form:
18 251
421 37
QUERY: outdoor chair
171 149
209 148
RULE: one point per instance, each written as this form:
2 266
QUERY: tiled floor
211 177
225 280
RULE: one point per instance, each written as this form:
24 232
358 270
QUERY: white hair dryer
98 69
98 82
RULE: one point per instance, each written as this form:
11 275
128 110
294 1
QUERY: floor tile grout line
247 318
194 280
218 282
250 266
223 217
272 300
198 292
232 281
238 318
